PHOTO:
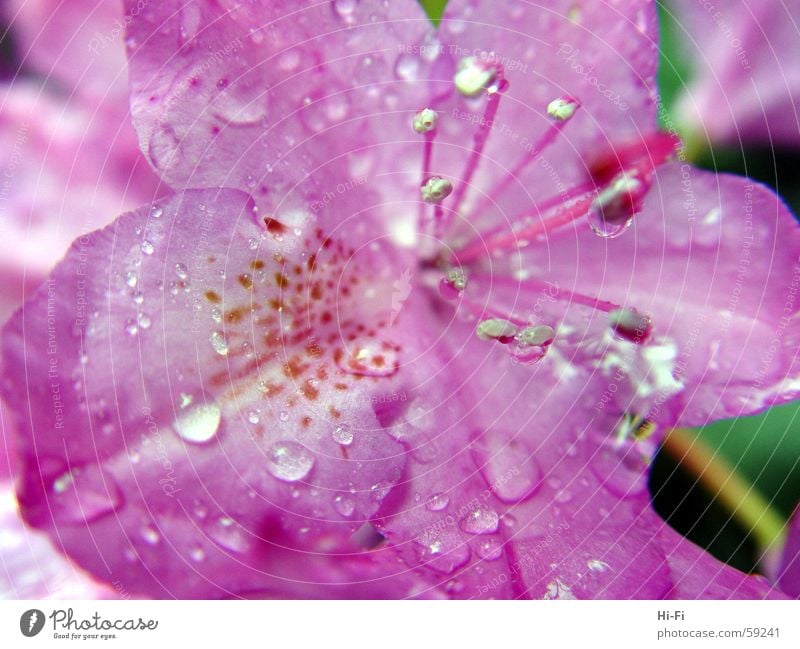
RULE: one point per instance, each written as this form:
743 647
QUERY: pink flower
413 322
745 85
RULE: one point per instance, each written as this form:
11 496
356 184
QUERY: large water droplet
481 520
343 435
437 502
344 505
623 470
345 8
147 247
407 67
198 424
242 104
229 534
289 461
443 551
507 465
218 344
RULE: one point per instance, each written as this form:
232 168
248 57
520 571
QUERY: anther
474 76
562 109
436 189
631 325
502 331
425 121
453 284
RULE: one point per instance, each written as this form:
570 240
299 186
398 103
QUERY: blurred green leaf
434 9
674 68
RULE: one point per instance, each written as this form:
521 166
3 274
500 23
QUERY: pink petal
205 472
710 258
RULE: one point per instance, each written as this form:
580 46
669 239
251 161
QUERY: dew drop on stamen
289 461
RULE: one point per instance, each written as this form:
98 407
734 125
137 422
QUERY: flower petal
289 104
714 260
205 364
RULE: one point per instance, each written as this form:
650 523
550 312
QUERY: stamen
425 121
475 75
631 325
453 284
530 345
502 331
564 108
495 85
436 189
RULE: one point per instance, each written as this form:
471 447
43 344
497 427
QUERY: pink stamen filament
546 140
538 286
427 156
479 142
511 240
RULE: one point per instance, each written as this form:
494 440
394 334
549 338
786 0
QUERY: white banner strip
398 625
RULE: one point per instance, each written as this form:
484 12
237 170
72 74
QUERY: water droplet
345 8
613 210
228 534
244 103
557 589
181 270
444 552
407 67
218 343
144 321
150 536
84 495
289 461
131 328
623 470
490 549
380 490
289 60
283 415
437 502
156 212
131 279
197 554
481 520
507 465
147 247
345 506
595 565
343 435
198 424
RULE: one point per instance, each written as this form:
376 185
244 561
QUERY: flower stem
747 506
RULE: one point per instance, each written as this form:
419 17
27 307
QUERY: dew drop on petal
218 343
490 549
344 505
289 461
481 520
437 502
198 424
147 247
131 279
181 271
84 495
343 435
407 67
369 357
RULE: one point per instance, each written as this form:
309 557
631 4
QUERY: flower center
608 200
